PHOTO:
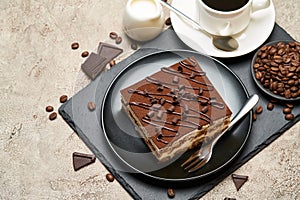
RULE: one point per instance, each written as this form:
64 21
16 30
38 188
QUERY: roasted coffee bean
289 105
49 108
113 35
118 40
259 110
53 116
171 193
112 63
110 177
289 116
91 106
287 110
270 106
168 21
134 46
277 67
75 45
254 116
63 98
85 54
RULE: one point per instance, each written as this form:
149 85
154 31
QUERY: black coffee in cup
225 5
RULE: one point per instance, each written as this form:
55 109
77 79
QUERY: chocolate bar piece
81 160
239 180
95 63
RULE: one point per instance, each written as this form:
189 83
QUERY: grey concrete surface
37 66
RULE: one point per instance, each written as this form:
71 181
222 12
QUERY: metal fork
203 155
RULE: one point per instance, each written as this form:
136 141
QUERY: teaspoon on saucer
225 43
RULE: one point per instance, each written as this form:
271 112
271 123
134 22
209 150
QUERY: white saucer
257 32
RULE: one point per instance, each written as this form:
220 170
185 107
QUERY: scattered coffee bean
287 110
85 54
91 106
171 193
53 116
277 68
134 46
110 177
49 108
289 116
168 21
112 63
113 35
270 106
63 98
75 45
229 198
259 110
289 105
118 40
254 116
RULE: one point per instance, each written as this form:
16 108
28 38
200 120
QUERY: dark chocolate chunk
200 91
160 88
181 87
150 114
81 160
156 106
160 114
239 180
171 109
162 101
204 109
93 65
175 79
203 102
193 75
175 120
186 109
108 51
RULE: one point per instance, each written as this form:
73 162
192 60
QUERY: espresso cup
224 18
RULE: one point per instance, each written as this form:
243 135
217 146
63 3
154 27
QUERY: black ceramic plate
129 146
258 83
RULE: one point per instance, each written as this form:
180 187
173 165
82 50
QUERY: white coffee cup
224 23
143 20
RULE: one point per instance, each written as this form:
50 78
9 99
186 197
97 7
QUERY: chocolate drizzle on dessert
183 84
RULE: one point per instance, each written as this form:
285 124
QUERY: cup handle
260 5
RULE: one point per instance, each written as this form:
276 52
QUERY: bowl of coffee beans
275 69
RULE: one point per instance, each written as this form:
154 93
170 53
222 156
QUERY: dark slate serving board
269 126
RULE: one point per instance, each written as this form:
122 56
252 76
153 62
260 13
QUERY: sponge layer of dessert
176 108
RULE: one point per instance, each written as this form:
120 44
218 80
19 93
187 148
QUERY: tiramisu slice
175 108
